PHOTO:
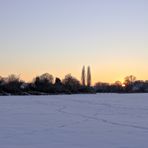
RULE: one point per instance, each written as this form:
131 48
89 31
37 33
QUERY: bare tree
88 76
129 83
12 78
83 76
129 80
47 77
71 83
43 83
13 84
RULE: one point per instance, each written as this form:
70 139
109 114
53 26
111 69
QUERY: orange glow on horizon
99 73
95 77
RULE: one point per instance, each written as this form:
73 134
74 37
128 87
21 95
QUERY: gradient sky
60 36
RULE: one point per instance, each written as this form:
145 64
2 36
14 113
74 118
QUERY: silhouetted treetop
71 83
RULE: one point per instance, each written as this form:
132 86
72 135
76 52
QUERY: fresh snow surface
74 121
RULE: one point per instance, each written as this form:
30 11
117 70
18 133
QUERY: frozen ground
74 121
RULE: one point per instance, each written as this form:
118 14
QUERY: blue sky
60 36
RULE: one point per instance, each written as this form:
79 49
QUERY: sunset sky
60 36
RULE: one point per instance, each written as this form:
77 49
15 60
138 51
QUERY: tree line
46 84
130 85
43 85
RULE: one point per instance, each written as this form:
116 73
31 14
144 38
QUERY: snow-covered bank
74 121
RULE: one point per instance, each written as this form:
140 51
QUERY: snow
74 121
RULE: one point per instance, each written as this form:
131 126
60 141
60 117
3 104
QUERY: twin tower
86 80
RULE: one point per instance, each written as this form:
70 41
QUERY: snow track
74 121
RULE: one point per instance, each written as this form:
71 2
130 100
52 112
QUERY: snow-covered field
74 121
